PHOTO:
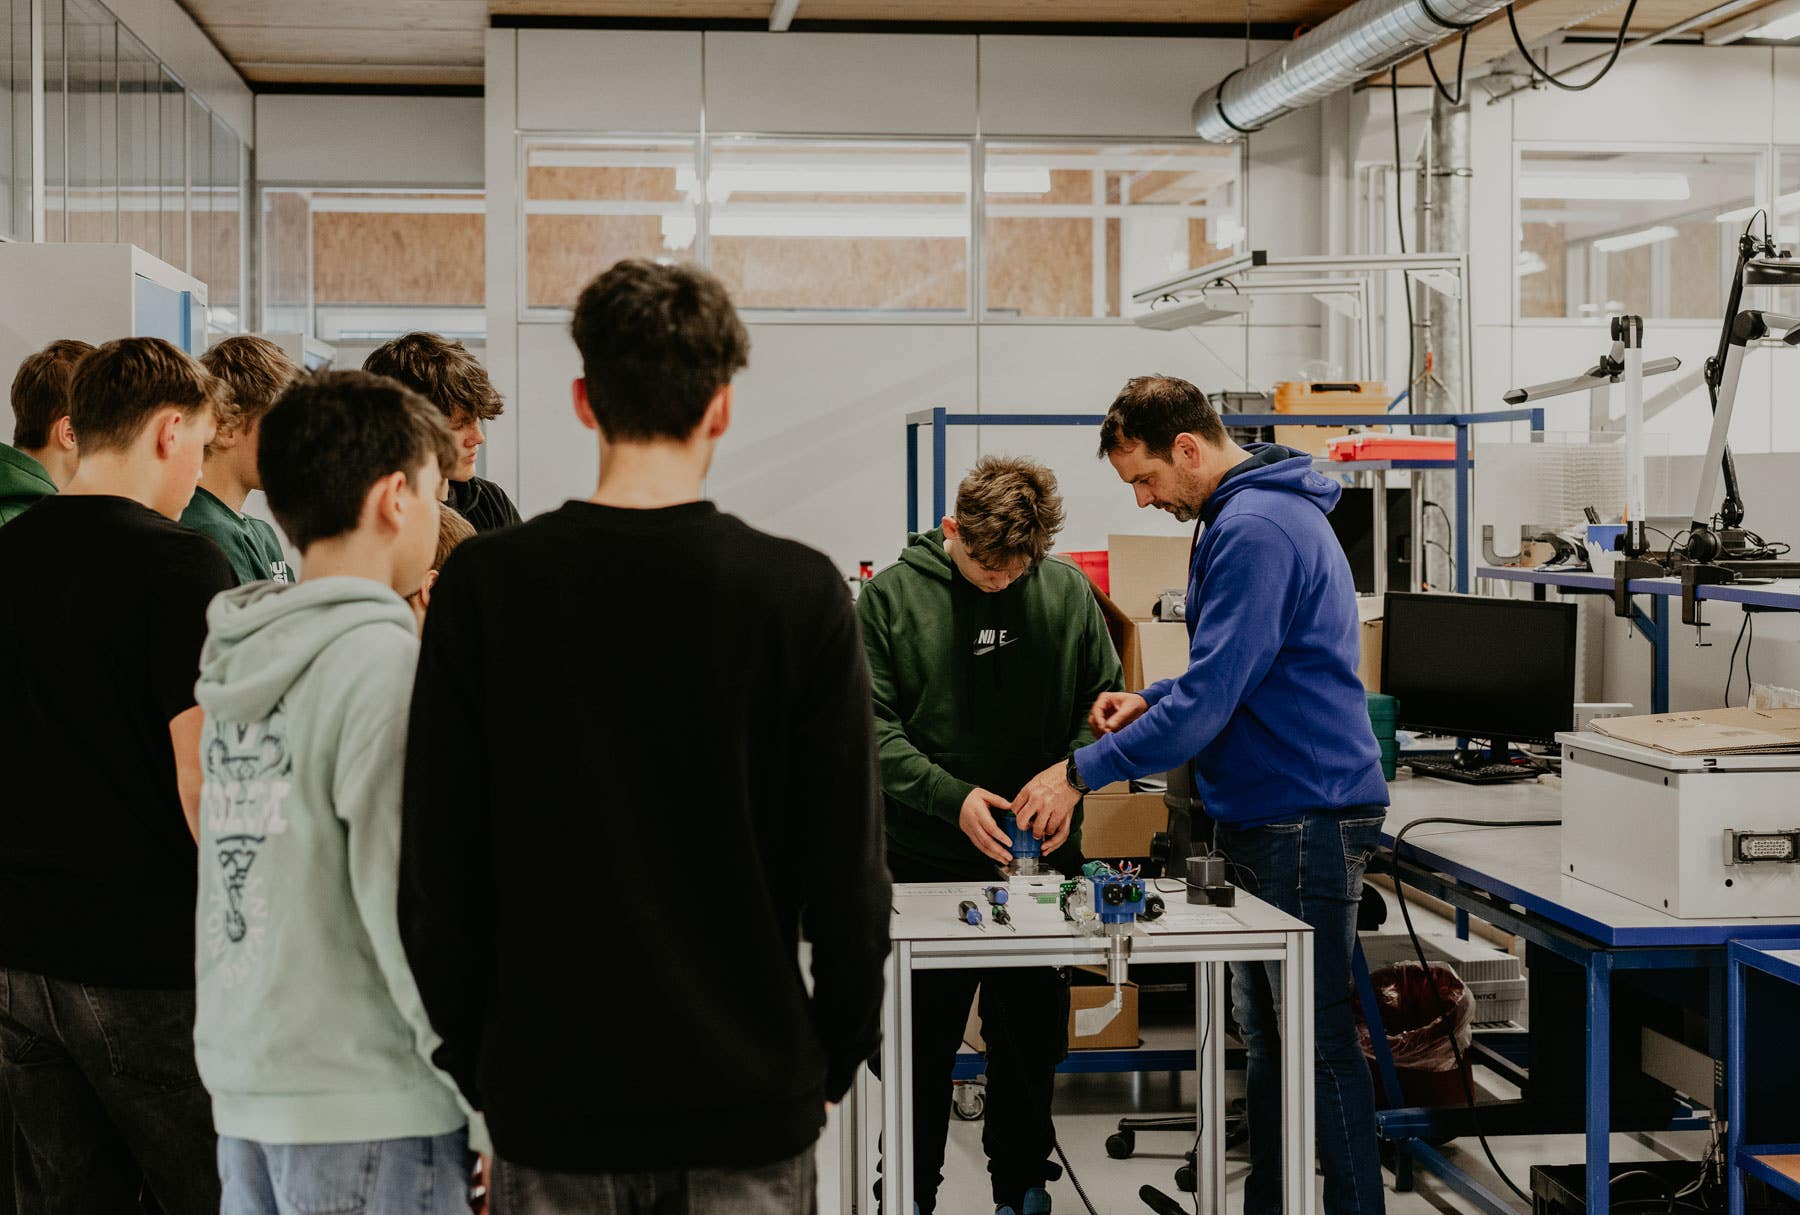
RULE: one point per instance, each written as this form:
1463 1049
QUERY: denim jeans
1311 868
787 1187
106 1101
422 1176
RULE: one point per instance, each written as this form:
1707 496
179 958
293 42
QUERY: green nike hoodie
976 689
22 482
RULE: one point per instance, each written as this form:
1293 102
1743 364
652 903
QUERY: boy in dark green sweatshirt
44 455
984 659
257 371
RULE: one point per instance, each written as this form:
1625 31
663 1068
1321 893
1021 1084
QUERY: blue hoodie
1270 709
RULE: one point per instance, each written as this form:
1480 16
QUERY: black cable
1751 645
1448 525
1400 225
1731 667
1443 1012
1538 69
1667 1189
1462 55
1448 555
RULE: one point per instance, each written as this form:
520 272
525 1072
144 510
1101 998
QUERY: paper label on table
1090 1021
1194 919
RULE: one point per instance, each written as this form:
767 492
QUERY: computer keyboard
1445 768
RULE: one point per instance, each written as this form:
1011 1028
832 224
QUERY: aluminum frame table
927 934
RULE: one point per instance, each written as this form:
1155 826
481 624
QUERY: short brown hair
120 385
453 529
40 391
1152 410
657 342
256 371
1008 508
442 371
332 436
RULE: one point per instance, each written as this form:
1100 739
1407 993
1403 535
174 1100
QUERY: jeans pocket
149 1034
325 1178
1360 838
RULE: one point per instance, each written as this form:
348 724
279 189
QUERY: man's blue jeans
420 1176
1312 868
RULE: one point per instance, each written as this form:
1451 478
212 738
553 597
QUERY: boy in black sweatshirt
640 767
985 658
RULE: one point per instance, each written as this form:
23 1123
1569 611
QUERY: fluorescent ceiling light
870 223
1625 187
1229 234
884 178
1787 204
1634 240
1193 312
1528 265
1779 30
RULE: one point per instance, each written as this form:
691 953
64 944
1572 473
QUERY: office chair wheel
1121 1144
1185 1181
968 1100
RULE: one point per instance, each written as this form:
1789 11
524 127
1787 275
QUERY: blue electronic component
968 913
1025 846
1117 899
997 895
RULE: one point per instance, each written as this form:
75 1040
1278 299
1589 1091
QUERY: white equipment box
1696 836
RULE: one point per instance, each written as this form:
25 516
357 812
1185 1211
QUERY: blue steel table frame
1655 623
939 420
1741 1157
1601 950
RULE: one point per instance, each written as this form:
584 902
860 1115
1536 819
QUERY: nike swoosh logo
980 650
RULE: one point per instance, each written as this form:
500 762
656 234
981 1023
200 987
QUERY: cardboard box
1116 826
1141 568
1162 650
1088 988
1368 663
1314 440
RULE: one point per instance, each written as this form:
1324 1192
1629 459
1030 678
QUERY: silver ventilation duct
1365 38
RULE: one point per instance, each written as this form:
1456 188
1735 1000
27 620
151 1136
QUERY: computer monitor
1353 519
1502 670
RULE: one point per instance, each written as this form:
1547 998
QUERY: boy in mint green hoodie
310 1034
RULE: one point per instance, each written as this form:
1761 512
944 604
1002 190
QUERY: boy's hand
1046 806
1116 710
479 1178
977 822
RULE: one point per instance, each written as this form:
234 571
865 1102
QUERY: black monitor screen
1467 665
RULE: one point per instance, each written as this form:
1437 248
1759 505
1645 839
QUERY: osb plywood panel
1545 293
565 252
284 241
1695 271
1207 12
914 273
399 259
1627 281
608 184
1040 267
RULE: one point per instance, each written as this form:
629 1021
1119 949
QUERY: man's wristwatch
1072 774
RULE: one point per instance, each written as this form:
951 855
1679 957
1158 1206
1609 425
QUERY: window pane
173 174
225 232
1651 233
589 204
199 151
140 151
15 119
286 261
835 227
93 118
56 169
385 262
1072 230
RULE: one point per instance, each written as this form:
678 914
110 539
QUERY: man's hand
1046 806
1116 710
977 822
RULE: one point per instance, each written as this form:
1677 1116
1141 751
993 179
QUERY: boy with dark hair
43 456
310 1035
257 371
534 668
984 659
446 374
97 828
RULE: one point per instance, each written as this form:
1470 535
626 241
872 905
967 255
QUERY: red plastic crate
1390 447
1096 564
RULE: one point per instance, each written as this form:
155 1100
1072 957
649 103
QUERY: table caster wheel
969 1101
1121 1144
1185 1180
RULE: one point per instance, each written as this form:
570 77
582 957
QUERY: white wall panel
1787 94
1663 95
609 80
558 458
885 84
1035 85
370 141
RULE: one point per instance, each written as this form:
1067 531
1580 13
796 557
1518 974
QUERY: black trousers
1025 1025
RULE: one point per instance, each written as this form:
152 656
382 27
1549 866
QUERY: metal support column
1599 1081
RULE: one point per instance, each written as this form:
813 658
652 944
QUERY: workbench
1514 879
928 934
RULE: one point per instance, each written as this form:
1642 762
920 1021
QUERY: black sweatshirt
640 768
484 504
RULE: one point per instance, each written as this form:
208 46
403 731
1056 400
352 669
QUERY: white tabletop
1523 865
927 912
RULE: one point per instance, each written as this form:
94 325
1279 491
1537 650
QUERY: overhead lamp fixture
884 178
1529 264
1787 204
1200 311
1765 22
1636 240
1772 272
1612 187
846 223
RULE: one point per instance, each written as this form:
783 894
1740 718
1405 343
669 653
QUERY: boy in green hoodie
43 456
984 658
257 371
310 1034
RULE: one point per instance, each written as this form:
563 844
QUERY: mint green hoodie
309 1027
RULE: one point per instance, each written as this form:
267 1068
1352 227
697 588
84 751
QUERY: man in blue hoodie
1272 716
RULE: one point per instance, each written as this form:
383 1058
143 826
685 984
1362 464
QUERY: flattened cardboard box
1087 989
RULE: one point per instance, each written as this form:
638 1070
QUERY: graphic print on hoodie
309 1026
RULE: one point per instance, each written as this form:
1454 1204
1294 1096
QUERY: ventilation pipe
1363 39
